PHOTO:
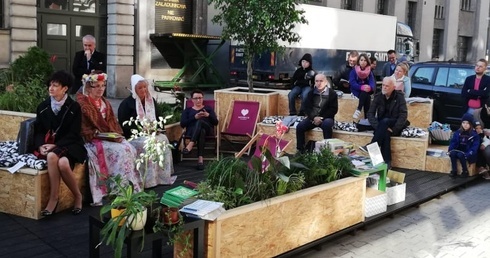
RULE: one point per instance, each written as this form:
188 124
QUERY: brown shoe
486 175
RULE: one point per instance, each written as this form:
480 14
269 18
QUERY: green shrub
34 64
166 109
25 97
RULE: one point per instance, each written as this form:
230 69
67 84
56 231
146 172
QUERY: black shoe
464 175
452 174
47 213
76 211
364 148
200 166
185 151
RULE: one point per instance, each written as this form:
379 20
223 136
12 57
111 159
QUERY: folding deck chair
240 124
261 140
211 139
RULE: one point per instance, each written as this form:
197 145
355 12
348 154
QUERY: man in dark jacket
476 88
389 67
388 116
341 79
321 107
301 82
87 60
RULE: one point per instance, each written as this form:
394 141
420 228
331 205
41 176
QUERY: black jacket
343 73
97 62
397 108
69 133
300 77
126 110
469 93
328 108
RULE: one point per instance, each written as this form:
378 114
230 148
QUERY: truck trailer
329 36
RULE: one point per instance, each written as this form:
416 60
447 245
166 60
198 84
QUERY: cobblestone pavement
456 225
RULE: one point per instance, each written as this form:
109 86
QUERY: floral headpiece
94 77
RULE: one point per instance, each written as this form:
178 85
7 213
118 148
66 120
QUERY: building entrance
62 25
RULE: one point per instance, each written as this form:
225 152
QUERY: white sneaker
356 114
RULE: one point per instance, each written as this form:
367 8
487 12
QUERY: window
439 12
462 45
465 5
1 14
423 75
349 5
441 78
411 11
457 76
382 7
436 43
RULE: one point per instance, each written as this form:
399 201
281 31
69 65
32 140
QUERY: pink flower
281 129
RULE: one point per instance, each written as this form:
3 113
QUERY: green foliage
24 97
322 167
23 84
165 109
258 25
132 203
35 63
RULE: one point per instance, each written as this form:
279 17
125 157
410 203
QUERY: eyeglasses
198 98
97 87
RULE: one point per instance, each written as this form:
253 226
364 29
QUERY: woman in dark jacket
57 138
301 84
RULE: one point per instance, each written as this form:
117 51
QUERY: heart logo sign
244 112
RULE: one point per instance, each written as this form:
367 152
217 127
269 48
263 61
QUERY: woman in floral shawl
108 154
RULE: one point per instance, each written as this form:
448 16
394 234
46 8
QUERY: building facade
444 29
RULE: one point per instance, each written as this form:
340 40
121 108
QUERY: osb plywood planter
280 224
419 114
406 152
10 122
173 131
268 99
26 192
443 165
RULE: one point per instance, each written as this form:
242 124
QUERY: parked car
442 82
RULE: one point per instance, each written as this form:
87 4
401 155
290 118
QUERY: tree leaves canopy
259 24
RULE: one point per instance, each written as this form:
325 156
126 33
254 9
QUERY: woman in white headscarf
140 105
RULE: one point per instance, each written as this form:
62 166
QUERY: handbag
50 136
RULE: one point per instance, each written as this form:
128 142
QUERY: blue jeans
383 137
306 125
295 91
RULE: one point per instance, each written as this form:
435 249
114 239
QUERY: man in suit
87 60
389 67
476 88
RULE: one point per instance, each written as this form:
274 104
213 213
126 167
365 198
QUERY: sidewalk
456 225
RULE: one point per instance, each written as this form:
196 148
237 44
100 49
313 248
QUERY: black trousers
198 136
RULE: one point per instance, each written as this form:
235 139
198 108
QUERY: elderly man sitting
388 116
321 107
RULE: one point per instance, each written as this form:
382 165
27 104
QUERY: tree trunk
250 81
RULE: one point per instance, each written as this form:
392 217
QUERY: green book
181 192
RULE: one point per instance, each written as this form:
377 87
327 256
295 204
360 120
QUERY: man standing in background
389 68
87 60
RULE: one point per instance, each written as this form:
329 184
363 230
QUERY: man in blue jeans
388 116
320 108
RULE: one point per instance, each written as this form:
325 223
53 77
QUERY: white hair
89 38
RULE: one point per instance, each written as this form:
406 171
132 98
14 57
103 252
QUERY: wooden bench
406 152
443 164
26 192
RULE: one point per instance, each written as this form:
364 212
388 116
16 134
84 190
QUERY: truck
329 36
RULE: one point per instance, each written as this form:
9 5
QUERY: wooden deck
65 235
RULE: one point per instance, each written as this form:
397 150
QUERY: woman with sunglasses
109 154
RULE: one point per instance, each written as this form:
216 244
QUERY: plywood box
280 224
10 122
406 152
26 192
267 98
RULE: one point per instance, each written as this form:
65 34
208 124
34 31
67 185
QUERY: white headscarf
148 111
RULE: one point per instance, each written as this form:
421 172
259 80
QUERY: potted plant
133 205
132 213
169 220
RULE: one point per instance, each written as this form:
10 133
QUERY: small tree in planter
258 25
